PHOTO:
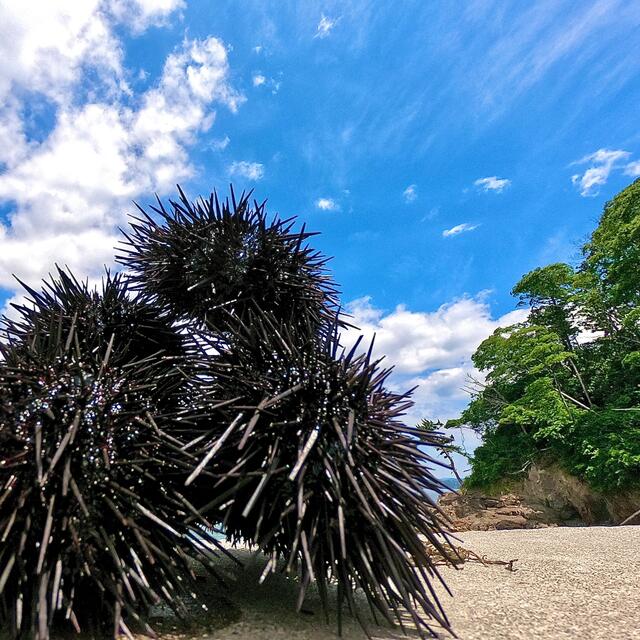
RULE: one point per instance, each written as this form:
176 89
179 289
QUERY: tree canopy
564 385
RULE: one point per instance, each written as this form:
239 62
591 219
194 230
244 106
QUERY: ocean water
452 483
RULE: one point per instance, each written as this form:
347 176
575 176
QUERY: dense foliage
565 383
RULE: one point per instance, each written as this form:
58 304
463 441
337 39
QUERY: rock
517 522
473 511
548 497
448 498
624 505
510 512
572 497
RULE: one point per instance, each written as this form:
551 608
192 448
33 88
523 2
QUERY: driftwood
458 555
630 519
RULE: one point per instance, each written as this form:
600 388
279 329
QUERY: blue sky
443 149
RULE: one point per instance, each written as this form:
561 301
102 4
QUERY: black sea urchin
315 467
213 262
91 527
135 327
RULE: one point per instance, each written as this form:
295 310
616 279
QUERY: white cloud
325 26
632 169
140 14
248 170
492 183
257 49
45 46
260 80
9 310
220 143
327 204
440 395
602 162
13 142
417 341
410 194
431 350
459 228
68 192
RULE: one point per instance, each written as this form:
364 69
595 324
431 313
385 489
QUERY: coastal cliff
548 496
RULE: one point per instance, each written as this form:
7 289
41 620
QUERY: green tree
550 294
565 384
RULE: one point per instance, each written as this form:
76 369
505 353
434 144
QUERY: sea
452 483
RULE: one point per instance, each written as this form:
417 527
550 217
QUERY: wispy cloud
632 169
542 37
327 204
431 214
458 229
603 162
248 170
492 183
142 13
220 143
260 80
410 194
325 26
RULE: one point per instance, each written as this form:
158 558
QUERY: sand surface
573 583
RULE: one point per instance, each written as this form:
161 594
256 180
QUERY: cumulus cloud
602 162
327 204
410 194
429 349
492 183
325 26
417 341
258 79
249 170
68 191
45 46
459 228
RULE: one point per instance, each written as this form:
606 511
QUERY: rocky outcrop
559 490
548 496
475 511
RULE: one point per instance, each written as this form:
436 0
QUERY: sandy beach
570 583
